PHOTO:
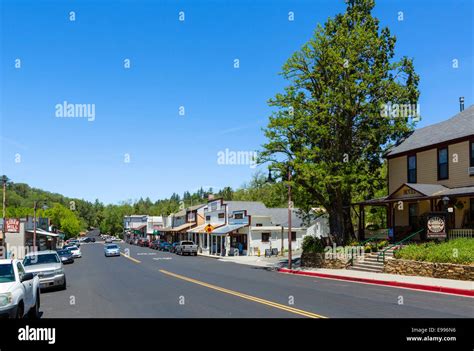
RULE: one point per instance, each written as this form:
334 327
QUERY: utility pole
290 208
4 181
34 225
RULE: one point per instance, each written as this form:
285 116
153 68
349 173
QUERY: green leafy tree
328 128
70 225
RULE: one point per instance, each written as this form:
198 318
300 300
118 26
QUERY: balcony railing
460 233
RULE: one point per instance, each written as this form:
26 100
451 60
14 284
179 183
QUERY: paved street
158 284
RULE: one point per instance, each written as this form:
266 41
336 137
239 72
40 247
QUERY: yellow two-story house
429 172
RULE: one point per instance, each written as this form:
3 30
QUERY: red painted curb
443 289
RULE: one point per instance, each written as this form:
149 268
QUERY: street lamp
446 214
445 202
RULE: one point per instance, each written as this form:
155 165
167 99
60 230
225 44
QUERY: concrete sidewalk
280 263
449 286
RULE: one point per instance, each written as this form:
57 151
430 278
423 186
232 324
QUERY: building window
221 215
443 171
208 218
411 169
293 236
471 164
265 237
258 225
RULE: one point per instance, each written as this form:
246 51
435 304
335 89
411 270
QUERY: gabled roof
427 189
458 126
195 207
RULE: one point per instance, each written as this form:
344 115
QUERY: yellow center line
247 297
130 258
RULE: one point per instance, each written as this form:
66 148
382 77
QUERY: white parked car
186 247
48 267
19 290
75 251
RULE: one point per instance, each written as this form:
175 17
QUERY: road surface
150 283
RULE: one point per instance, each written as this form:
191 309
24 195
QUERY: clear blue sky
181 63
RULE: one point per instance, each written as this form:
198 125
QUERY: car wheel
19 311
34 311
63 287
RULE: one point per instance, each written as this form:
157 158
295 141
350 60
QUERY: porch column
361 235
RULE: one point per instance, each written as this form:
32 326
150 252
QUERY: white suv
19 290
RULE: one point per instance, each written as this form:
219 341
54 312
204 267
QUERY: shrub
353 242
312 244
460 251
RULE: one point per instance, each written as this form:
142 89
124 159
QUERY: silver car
48 267
111 250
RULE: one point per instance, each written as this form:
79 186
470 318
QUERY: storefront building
430 181
179 224
245 228
19 237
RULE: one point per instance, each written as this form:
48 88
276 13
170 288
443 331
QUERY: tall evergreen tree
328 128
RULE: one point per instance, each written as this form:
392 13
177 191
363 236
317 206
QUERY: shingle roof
252 207
458 126
195 207
459 191
427 189
180 213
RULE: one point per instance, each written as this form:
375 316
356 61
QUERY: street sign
209 228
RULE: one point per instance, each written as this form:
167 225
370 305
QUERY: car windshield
112 247
6 273
187 243
40 259
72 247
63 252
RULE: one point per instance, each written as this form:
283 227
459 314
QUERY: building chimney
461 103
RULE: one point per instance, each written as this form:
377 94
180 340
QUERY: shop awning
180 228
228 228
43 232
199 229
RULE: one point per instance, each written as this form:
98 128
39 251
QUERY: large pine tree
328 127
